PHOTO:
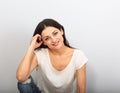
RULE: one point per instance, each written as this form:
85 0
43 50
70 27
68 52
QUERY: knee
25 87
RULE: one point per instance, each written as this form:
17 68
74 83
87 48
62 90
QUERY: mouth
56 43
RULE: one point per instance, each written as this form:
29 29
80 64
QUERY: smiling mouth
56 43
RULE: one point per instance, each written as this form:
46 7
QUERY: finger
37 36
38 39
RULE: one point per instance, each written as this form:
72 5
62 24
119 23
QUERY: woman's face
52 37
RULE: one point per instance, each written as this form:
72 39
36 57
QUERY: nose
53 39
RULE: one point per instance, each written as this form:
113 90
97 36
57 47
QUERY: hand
36 41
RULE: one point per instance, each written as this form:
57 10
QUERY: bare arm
29 62
81 79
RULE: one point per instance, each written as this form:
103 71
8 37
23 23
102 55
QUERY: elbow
20 78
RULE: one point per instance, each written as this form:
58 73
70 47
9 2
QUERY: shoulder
81 58
41 50
79 52
41 55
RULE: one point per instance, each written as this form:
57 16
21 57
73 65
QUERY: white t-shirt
51 80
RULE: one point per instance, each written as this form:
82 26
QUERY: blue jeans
28 87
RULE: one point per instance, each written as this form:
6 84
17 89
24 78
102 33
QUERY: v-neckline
53 68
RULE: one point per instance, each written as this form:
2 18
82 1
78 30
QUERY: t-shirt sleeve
39 54
81 59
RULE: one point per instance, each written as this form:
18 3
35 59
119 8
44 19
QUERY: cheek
62 38
46 43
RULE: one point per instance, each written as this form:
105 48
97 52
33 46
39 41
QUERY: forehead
49 30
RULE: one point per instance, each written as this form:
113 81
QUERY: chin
56 47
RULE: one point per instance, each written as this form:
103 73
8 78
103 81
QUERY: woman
59 65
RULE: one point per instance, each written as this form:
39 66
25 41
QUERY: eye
55 33
47 38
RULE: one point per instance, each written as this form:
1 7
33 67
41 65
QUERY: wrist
31 48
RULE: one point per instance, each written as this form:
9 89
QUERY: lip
56 43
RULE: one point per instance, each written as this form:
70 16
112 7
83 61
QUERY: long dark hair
50 22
